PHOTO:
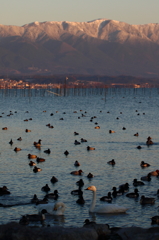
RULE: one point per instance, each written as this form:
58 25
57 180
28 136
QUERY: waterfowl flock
113 197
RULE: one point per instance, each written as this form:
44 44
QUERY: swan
53 209
105 208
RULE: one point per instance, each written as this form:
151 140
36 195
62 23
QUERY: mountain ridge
101 46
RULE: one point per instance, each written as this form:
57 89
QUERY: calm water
136 109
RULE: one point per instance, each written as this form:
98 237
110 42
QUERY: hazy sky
20 12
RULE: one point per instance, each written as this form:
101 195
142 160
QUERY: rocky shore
15 231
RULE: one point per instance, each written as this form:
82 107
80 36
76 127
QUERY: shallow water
136 110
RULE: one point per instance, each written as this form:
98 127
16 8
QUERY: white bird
104 208
53 209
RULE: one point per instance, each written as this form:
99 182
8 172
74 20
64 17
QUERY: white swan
53 209
105 208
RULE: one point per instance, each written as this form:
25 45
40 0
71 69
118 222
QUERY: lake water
135 109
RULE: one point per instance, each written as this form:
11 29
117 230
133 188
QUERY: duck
79 172
143 164
80 200
27 130
16 149
4 191
36 169
136 134
11 142
139 147
149 141
34 199
77 191
45 188
43 201
124 187
31 156
88 222
104 208
5 128
76 164
155 173
90 175
97 127
83 140
19 139
111 162
116 192
155 220
53 209
107 198
134 194
137 183
40 159
146 200
80 183
24 220
37 144
36 217
54 179
53 195
66 152
76 133
146 178
76 142
90 148
31 163
111 131
48 151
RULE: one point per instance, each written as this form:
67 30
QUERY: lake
135 110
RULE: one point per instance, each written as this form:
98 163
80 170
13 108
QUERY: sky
20 12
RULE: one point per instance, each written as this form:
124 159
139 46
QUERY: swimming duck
76 164
124 187
146 200
136 134
48 151
107 198
155 220
149 141
88 222
116 192
76 142
75 133
97 127
31 163
43 201
5 128
36 217
16 149
66 152
40 159
80 200
37 144
138 147
53 195
83 140
19 139
45 188
27 130
36 169
90 175
34 199
134 194
4 191
11 142
77 191
31 156
90 148
79 172
146 178
143 164
137 183
155 173
54 179
112 162
111 131
80 183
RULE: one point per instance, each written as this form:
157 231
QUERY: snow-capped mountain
103 46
